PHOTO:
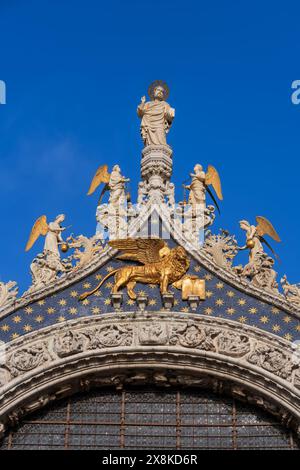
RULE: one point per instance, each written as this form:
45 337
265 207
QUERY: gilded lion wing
264 227
101 176
40 227
143 250
212 177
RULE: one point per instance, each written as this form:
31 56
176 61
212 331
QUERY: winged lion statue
159 264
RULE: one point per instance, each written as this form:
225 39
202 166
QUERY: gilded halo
160 83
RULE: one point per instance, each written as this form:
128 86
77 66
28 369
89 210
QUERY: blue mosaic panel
222 301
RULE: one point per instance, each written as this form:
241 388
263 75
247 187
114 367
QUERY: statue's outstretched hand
143 99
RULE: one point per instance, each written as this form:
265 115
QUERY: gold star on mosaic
185 310
87 285
61 318
109 269
27 328
17 319
288 337
297 328
219 285
276 328
241 302
275 310
197 269
109 285
98 277
252 310
62 302
176 302
264 319
153 302
209 294
95 310
5 328
50 310
141 292
15 336
129 302
39 319
230 293
73 293
208 277
85 302
242 319
219 302
208 311
41 302
230 311
107 301
72 310
287 319
28 310
98 293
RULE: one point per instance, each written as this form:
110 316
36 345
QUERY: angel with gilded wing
51 232
200 185
254 241
113 182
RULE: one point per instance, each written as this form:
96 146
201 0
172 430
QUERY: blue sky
75 72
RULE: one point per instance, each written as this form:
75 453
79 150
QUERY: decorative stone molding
156 170
120 348
8 293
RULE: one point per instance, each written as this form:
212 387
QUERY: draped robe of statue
117 188
53 237
157 117
197 189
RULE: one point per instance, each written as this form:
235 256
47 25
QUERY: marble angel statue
47 265
291 291
200 185
52 232
254 242
114 182
156 115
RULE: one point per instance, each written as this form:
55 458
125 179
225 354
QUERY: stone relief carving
8 293
193 336
29 358
291 291
197 335
153 333
272 360
233 344
85 249
222 248
5 376
112 336
45 269
69 343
